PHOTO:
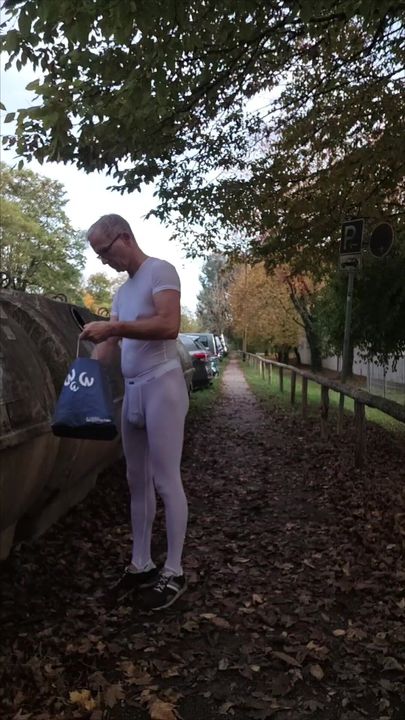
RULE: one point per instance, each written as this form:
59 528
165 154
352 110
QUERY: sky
88 198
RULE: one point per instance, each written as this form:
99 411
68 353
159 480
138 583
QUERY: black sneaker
130 581
165 592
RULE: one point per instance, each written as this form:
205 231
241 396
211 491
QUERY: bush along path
296 597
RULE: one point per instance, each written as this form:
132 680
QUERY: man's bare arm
108 350
164 324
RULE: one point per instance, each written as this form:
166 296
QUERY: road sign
351 243
350 261
381 240
352 237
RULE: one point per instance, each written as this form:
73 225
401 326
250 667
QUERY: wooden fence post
341 413
304 392
324 411
360 425
293 383
281 376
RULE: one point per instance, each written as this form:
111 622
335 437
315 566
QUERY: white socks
134 570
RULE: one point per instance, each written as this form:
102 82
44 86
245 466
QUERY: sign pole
346 342
351 245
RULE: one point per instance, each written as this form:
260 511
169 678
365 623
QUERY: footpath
296 600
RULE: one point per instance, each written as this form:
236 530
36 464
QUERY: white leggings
153 456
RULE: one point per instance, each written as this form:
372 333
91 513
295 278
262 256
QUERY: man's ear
127 238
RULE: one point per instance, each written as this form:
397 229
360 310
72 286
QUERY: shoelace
161 583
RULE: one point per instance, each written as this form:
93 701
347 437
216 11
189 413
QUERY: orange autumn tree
261 308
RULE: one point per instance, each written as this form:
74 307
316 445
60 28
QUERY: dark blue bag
85 408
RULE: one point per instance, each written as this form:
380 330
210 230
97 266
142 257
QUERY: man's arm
164 324
108 350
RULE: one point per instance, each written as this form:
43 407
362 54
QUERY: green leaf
24 24
9 117
11 41
33 85
2 107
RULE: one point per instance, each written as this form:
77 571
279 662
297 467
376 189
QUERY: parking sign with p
351 243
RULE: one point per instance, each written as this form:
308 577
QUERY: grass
202 401
264 389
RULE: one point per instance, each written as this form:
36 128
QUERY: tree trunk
303 307
244 340
316 353
351 361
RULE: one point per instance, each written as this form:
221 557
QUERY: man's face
111 251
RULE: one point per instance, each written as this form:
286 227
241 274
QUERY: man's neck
137 259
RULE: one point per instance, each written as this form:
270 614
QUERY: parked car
201 360
210 344
220 347
224 344
186 364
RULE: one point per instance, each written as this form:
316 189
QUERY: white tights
153 456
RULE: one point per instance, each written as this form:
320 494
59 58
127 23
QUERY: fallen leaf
159 710
221 622
391 663
286 658
339 632
112 694
82 698
316 671
256 598
223 709
356 634
190 626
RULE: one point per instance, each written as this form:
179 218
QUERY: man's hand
97 331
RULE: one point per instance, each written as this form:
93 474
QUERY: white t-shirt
133 301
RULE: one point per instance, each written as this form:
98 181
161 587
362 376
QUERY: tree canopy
188 322
98 292
213 299
378 317
261 310
276 117
38 247
261 124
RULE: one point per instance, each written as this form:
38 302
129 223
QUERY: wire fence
387 382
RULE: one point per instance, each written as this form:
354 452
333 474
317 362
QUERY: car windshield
187 342
191 343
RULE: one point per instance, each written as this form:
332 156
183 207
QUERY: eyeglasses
104 251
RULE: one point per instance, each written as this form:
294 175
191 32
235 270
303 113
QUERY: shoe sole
173 600
144 586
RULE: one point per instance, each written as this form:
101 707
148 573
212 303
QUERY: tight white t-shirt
133 301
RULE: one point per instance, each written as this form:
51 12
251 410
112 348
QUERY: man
145 317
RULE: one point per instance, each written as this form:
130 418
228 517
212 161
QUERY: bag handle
77 347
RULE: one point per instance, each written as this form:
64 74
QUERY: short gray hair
110 226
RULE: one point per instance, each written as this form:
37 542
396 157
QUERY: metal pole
348 320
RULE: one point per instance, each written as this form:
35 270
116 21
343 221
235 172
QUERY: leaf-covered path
296 601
